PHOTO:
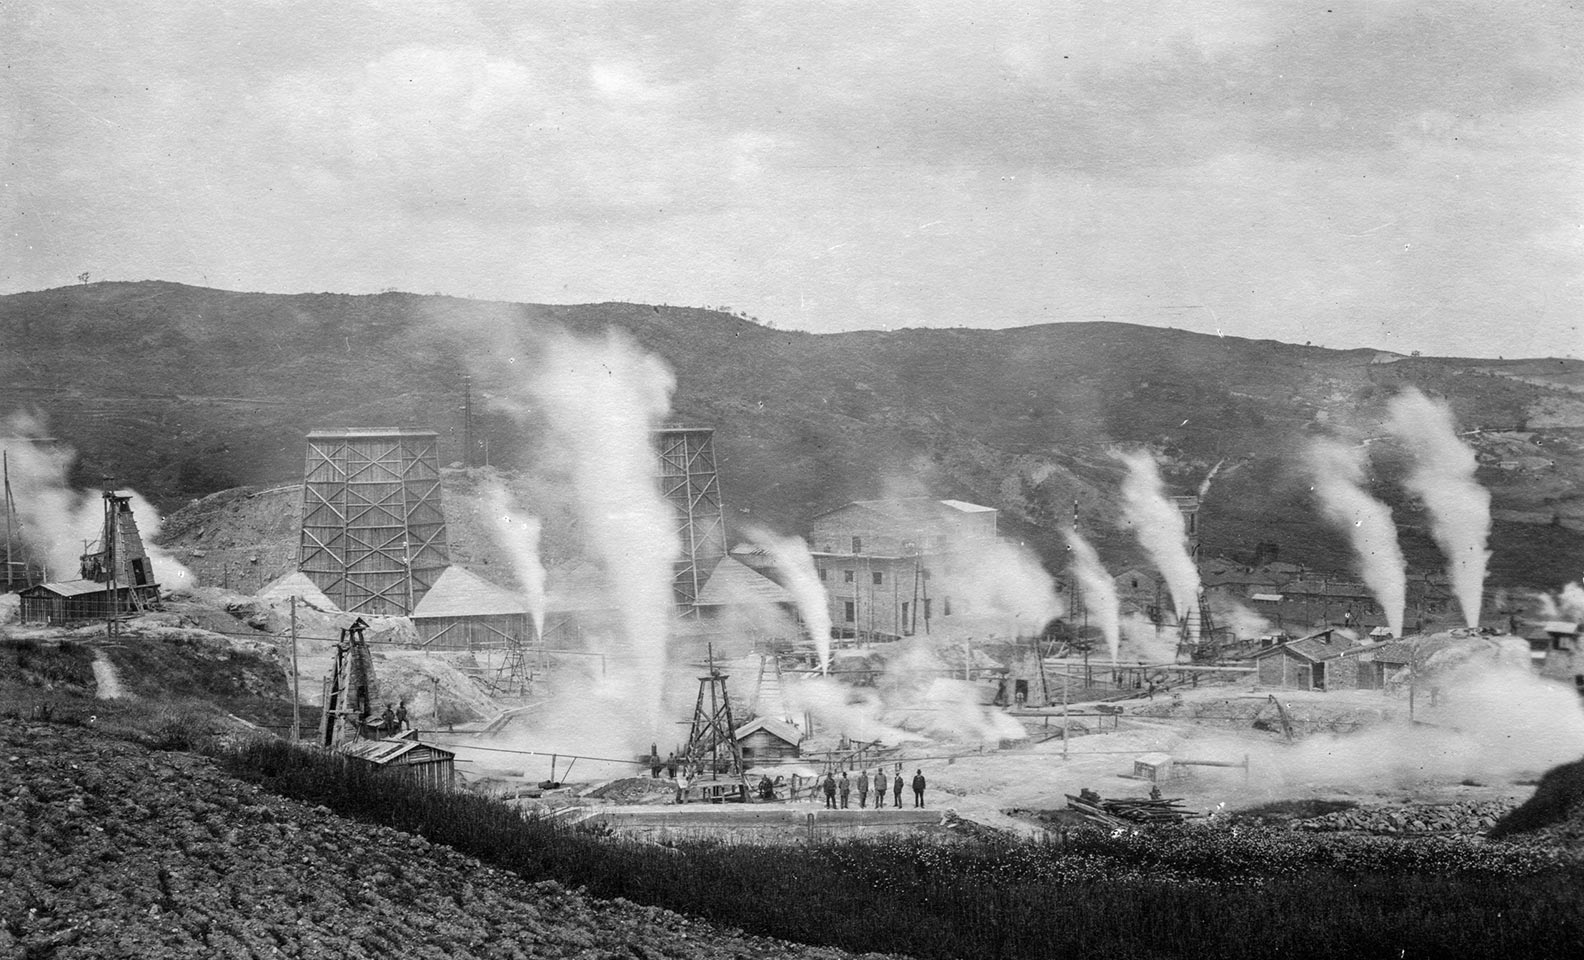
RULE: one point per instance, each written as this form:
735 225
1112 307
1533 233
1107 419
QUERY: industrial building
373 532
1328 660
885 563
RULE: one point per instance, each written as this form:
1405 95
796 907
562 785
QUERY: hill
182 391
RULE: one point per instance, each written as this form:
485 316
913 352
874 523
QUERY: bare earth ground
114 850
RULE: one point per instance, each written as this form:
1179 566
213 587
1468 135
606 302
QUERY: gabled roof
461 594
1560 627
75 588
297 584
1325 645
774 726
733 581
913 509
390 748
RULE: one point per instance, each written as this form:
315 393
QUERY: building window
926 576
847 576
824 573
879 579
1135 583
906 627
946 606
857 544
847 611
927 609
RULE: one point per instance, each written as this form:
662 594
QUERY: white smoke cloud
1159 528
601 401
57 523
1243 622
995 587
517 533
1338 472
1571 601
1099 591
799 576
1143 640
1443 478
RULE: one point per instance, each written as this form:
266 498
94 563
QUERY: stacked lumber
1128 811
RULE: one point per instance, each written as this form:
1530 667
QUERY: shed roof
774 726
386 750
72 588
733 581
458 593
1560 627
913 509
297 584
1325 645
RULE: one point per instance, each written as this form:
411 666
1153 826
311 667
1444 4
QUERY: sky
1397 175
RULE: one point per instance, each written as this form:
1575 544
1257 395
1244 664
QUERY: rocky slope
114 850
207 390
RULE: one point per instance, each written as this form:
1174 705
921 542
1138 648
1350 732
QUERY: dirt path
107 683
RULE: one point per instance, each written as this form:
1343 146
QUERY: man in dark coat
896 787
863 789
918 788
846 788
830 792
880 788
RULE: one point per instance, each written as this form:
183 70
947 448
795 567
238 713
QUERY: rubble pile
1472 816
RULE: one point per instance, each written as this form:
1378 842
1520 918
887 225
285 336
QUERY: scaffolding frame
690 481
373 528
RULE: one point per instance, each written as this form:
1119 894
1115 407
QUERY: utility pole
296 691
1066 682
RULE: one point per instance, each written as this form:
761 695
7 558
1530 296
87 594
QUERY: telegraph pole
296 691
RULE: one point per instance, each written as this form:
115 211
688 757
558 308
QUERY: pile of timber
1129 811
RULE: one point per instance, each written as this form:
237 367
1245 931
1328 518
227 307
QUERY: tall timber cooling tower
689 481
373 532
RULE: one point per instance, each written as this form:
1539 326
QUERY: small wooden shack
769 740
466 612
71 601
425 763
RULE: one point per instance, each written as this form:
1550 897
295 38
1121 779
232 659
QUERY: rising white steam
517 533
602 400
1443 477
1147 642
799 576
57 522
1243 622
1099 590
1159 528
1338 472
988 587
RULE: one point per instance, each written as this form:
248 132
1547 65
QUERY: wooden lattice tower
373 531
689 480
711 748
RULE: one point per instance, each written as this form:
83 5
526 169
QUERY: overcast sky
1387 174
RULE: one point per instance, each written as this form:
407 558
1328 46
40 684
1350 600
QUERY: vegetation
1017 419
1193 892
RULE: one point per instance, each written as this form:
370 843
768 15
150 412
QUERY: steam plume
796 564
1443 477
1339 476
1099 589
57 521
518 534
602 400
1159 528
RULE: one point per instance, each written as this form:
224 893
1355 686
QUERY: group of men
844 787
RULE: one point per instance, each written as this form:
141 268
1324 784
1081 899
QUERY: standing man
846 789
880 788
863 789
918 788
401 715
830 792
896 786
